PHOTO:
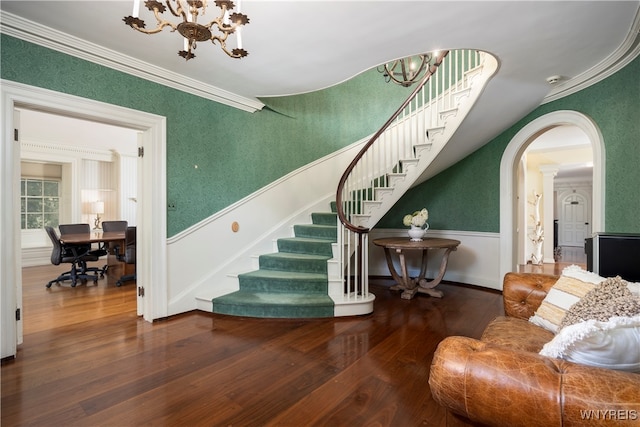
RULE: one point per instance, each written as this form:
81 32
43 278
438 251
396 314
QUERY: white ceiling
301 46
568 140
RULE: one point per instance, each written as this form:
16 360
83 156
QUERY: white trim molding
42 149
623 55
152 254
509 177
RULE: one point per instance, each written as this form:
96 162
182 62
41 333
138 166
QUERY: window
39 203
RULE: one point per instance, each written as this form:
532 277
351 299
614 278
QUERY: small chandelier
193 32
406 71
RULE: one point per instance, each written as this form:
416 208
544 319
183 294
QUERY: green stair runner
291 283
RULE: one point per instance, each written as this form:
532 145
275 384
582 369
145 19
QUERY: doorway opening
151 199
557 168
512 214
91 163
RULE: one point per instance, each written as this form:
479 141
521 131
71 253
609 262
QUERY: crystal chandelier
406 71
189 10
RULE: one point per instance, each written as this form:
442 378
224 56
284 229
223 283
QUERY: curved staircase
322 271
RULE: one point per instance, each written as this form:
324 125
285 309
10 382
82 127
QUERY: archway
508 177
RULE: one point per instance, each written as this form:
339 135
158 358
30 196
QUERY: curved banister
339 202
392 159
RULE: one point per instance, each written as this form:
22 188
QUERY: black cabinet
614 254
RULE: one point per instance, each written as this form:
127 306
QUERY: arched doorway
509 179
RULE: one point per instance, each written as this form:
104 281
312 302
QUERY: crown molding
623 55
32 32
48 148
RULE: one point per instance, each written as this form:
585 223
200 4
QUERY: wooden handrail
340 210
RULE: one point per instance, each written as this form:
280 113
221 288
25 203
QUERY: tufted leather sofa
501 380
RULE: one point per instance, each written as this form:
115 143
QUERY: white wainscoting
475 262
33 257
206 258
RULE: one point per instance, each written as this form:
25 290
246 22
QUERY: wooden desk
98 237
419 284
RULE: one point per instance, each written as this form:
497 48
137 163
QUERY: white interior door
140 194
574 225
18 279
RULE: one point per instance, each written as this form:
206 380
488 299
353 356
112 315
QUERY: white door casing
151 266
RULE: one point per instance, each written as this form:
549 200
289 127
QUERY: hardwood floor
88 360
567 255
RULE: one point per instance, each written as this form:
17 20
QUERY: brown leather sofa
501 380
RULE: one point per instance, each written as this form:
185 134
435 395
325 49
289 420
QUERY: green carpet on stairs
290 283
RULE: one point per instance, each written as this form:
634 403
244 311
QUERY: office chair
108 226
70 254
85 229
129 256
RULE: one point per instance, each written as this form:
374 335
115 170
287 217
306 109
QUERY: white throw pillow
614 344
569 289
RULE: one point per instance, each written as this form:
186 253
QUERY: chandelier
406 71
193 32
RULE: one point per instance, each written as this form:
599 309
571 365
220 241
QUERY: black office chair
129 256
70 254
85 229
108 226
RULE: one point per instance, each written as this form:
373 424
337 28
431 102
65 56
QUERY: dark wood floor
88 360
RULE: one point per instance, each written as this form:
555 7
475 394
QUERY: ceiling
568 148
302 46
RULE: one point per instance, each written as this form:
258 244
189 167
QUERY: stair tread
308 239
296 255
321 226
284 274
266 298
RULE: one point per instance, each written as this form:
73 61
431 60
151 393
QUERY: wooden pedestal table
419 284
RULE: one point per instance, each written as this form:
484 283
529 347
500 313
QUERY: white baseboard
33 257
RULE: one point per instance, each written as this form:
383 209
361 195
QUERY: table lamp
97 208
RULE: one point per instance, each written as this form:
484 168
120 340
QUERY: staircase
401 151
323 270
290 283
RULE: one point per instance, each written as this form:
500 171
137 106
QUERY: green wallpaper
466 196
239 152
236 152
